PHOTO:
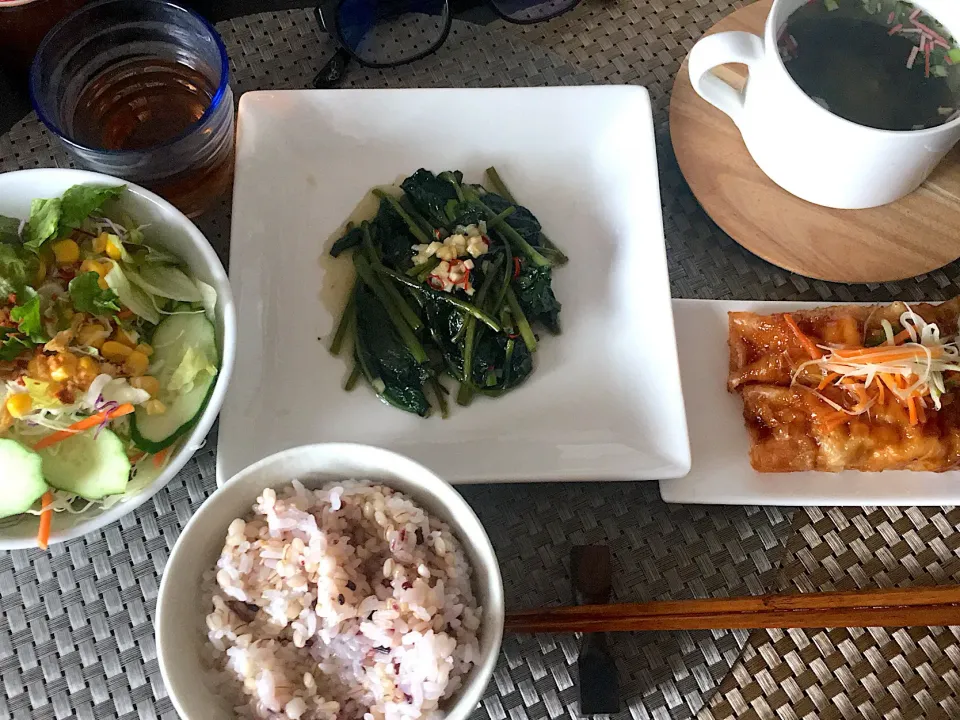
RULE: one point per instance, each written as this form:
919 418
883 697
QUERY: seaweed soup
879 63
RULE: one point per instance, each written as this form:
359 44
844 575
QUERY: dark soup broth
880 63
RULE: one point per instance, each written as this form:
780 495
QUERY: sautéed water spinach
880 63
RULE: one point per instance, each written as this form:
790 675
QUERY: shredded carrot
85 424
921 413
160 457
912 407
125 314
809 345
890 382
901 337
137 457
834 421
827 380
881 393
887 354
46 518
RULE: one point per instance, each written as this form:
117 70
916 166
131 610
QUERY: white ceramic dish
604 401
171 229
721 472
180 623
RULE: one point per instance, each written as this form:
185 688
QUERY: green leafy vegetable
16 267
9 229
43 223
27 315
89 297
139 302
350 239
166 282
12 343
80 202
429 195
534 291
194 366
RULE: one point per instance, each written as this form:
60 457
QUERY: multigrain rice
344 602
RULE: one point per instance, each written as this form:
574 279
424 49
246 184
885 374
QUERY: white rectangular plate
604 401
721 472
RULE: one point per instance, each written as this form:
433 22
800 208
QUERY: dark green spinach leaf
535 294
430 195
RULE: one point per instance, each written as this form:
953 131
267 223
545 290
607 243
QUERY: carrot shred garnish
921 413
159 457
46 518
881 393
827 380
912 407
901 337
809 345
85 424
834 421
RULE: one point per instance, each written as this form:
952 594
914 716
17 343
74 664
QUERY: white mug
804 148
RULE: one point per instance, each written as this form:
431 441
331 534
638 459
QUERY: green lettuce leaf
9 229
43 223
89 297
14 270
27 315
80 202
12 343
194 364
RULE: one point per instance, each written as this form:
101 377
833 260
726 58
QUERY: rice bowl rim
179 624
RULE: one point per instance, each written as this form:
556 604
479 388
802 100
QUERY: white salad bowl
172 230
181 632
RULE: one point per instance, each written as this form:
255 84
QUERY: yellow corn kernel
154 407
100 268
66 252
92 335
145 349
124 337
19 404
100 242
63 366
103 284
148 383
87 371
136 364
115 352
114 251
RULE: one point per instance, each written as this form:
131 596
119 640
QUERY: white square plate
721 472
604 401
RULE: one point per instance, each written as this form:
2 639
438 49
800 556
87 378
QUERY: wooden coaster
912 236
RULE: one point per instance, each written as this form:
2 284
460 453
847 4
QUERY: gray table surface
76 636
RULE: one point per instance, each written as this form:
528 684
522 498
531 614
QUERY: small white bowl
180 621
171 229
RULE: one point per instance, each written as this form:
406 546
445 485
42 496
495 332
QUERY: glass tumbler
139 89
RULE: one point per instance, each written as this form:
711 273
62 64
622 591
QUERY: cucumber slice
21 478
88 464
173 339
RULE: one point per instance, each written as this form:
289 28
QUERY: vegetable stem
509 233
440 295
343 327
396 317
523 325
423 268
441 394
352 379
471 326
415 229
500 187
464 395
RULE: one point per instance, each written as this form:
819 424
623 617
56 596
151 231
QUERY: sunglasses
387 33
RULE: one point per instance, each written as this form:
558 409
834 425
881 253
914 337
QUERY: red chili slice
516 267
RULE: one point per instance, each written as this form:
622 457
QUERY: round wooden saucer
912 236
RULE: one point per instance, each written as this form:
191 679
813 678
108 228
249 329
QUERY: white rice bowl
422 644
344 602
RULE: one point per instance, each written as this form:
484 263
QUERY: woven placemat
76 636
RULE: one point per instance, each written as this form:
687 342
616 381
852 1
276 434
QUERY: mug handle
719 49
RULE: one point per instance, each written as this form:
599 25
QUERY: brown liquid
142 103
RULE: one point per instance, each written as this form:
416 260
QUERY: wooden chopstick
863 608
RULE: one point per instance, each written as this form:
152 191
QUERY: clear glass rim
215 101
